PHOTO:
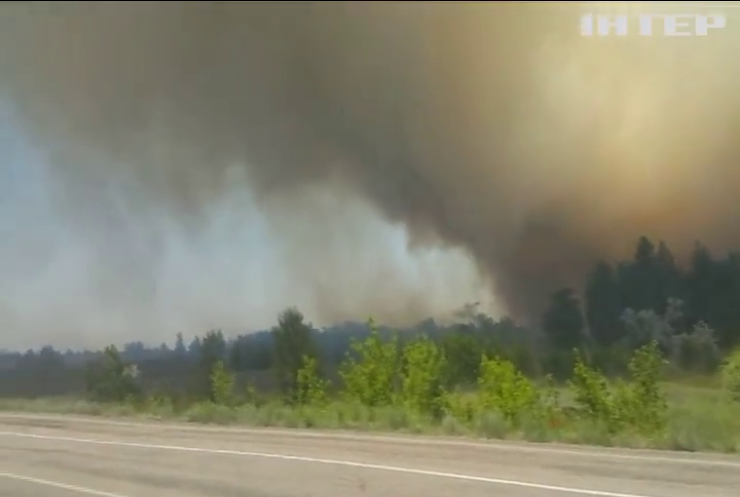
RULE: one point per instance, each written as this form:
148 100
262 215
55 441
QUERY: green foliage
461 407
637 310
112 380
462 350
371 377
404 388
504 389
592 396
638 405
422 379
730 373
212 350
222 384
645 406
550 402
311 388
293 341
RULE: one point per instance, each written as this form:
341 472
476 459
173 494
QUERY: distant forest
691 310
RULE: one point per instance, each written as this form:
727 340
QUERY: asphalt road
54 456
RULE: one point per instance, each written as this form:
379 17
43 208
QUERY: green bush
422 378
461 407
371 377
111 380
643 405
408 388
550 404
222 384
593 399
311 387
505 390
730 373
638 405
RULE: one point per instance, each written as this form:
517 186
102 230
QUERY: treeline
689 310
708 287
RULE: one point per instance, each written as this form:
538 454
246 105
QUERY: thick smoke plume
492 127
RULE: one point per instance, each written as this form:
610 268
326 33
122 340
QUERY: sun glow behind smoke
493 129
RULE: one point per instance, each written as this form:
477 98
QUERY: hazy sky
492 127
231 274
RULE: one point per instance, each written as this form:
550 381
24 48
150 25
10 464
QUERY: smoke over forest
493 128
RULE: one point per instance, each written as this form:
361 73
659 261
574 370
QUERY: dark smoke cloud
492 127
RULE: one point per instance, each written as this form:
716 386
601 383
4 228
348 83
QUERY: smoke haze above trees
488 127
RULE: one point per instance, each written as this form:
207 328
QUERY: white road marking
334 462
607 452
55 484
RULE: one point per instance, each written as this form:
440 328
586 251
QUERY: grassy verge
382 393
698 419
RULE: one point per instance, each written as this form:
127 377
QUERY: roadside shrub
370 377
505 390
422 382
462 407
222 384
639 404
311 388
591 395
730 373
549 399
642 405
110 379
